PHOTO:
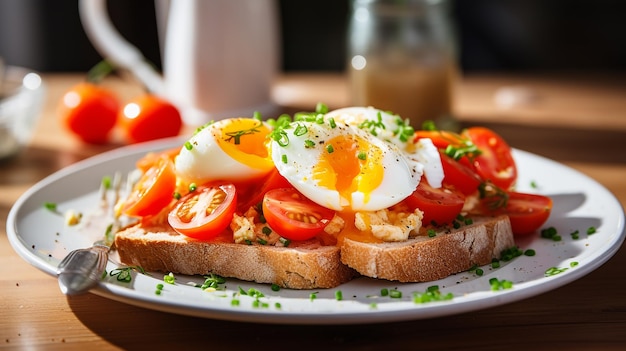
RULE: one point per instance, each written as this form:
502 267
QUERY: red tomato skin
459 176
89 111
149 117
495 163
252 193
152 158
151 200
276 204
527 219
527 212
211 226
440 138
438 205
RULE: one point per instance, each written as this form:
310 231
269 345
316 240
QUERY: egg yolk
243 139
349 164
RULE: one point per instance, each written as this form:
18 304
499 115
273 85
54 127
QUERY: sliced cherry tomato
89 111
527 212
152 158
293 216
251 193
153 191
204 213
459 176
440 206
495 162
149 117
441 138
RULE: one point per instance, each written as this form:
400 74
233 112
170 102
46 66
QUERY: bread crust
310 265
426 259
303 265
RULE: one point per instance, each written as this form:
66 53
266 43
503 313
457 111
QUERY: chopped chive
275 287
497 284
321 108
330 149
395 294
554 271
550 233
106 182
530 252
362 156
285 242
169 278
309 143
300 130
591 230
193 187
429 125
432 294
283 158
338 295
332 122
51 206
510 253
188 145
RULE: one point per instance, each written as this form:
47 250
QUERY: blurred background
493 35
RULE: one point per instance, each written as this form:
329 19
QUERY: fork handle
82 269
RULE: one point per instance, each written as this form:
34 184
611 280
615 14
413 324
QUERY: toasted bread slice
310 264
302 265
424 258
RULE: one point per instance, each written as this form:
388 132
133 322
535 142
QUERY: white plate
42 239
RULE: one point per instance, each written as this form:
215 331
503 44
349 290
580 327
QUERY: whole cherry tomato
149 117
89 111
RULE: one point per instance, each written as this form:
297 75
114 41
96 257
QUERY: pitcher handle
112 46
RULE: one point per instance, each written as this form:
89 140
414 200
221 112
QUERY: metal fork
82 269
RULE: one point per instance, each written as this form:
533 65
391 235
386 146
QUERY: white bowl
22 93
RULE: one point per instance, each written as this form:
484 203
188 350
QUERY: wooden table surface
579 121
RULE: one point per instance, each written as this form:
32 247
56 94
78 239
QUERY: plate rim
133 297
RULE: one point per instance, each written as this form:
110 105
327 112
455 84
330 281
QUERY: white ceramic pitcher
219 56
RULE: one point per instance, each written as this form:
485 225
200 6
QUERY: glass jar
401 58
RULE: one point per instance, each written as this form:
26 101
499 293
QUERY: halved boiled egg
392 128
231 149
343 167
